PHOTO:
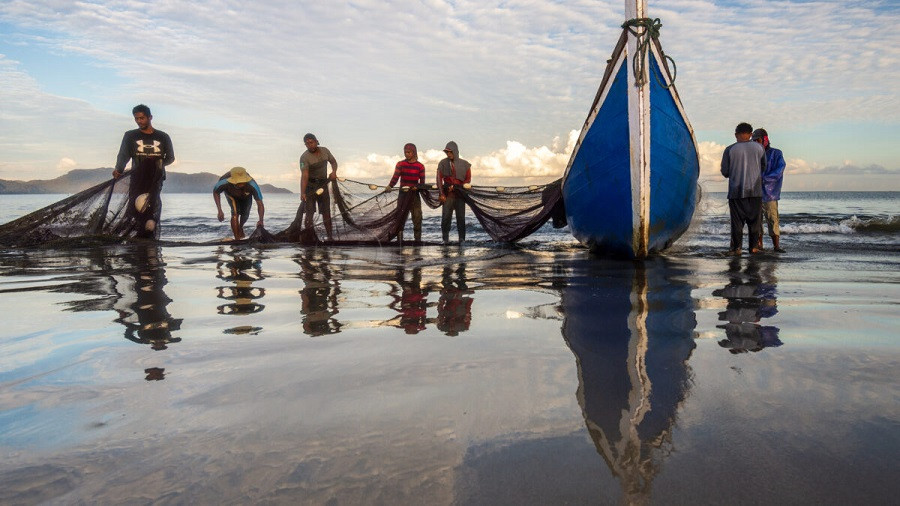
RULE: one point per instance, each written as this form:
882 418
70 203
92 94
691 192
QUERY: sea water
480 374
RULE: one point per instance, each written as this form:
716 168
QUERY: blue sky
236 83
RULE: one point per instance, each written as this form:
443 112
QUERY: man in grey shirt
743 164
314 182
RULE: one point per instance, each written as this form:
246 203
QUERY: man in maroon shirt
411 174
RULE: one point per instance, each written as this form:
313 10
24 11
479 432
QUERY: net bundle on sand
361 213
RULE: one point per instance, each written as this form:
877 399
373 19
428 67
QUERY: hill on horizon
78 180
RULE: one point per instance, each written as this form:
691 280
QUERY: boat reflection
242 271
319 295
631 329
751 295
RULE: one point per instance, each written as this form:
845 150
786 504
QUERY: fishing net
122 208
360 213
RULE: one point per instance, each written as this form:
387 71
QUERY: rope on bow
650 32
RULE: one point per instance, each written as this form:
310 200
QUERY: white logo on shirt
147 148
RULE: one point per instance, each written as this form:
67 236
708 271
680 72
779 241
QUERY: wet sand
445 376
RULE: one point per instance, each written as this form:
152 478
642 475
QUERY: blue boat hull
599 187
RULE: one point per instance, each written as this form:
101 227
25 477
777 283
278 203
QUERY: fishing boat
630 187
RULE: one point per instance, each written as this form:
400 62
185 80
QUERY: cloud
66 164
516 162
850 168
239 83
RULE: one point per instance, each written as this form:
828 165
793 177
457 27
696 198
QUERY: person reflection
631 330
751 295
243 272
454 305
319 295
411 301
143 309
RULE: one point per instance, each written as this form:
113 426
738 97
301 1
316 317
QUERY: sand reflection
454 305
410 299
320 291
751 294
631 329
241 271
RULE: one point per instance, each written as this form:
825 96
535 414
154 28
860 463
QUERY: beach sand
446 375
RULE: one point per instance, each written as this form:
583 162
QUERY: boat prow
630 186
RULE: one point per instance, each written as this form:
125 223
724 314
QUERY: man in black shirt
150 150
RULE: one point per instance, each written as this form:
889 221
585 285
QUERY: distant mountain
82 179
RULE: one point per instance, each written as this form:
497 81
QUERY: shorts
321 202
240 207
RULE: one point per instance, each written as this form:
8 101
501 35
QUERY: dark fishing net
114 210
360 213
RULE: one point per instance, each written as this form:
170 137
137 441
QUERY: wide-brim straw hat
238 175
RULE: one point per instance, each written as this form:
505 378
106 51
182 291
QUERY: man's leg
737 225
460 205
774 224
446 216
754 221
416 212
325 209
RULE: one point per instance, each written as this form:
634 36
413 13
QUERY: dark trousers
745 211
454 203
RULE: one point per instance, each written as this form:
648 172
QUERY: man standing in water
314 182
150 150
743 164
411 174
453 174
771 187
240 190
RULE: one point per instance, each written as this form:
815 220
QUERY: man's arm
725 168
440 184
122 157
218 200
261 209
778 165
468 175
170 152
304 180
333 163
396 175
217 197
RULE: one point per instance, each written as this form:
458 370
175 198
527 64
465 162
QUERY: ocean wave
848 226
883 224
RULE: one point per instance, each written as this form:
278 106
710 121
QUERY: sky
240 83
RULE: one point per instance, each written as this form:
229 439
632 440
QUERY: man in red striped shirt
411 173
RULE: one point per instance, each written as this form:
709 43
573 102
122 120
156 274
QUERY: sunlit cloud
66 164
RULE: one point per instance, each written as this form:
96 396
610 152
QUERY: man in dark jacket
453 175
743 164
